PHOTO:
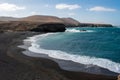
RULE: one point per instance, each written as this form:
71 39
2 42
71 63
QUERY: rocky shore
14 65
94 25
42 24
13 26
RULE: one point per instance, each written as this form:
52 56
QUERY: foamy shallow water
87 60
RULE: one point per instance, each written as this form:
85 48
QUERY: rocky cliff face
42 23
31 26
50 27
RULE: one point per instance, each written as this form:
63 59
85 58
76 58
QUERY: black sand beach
14 65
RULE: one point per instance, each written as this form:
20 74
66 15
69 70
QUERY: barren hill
42 19
70 22
42 23
8 18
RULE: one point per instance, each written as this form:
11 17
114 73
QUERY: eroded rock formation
31 26
50 27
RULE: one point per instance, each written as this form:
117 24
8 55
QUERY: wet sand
14 65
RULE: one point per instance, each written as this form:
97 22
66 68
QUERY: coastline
65 64
19 66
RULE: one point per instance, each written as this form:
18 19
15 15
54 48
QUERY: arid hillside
42 23
70 22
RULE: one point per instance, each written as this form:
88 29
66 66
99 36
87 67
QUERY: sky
95 11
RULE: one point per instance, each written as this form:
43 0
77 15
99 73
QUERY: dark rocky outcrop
94 25
50 27
31 26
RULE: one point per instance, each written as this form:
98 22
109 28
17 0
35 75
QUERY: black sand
16 66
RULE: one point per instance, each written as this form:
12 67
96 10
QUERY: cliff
94 25
50 27
31 26
42 23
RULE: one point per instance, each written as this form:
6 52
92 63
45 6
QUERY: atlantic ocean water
96 46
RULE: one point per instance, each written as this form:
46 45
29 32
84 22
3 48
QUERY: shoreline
64 64
17 65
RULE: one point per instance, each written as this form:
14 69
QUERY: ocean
88 46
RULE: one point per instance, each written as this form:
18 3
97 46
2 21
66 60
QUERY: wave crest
105 63
75 30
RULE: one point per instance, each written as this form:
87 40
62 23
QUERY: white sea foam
72 30
105 63
36 37
75 30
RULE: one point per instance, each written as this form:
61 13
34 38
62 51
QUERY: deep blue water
98 46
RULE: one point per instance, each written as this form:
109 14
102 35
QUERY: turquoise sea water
97 46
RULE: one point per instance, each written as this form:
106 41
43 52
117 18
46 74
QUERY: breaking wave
101 62
75 30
